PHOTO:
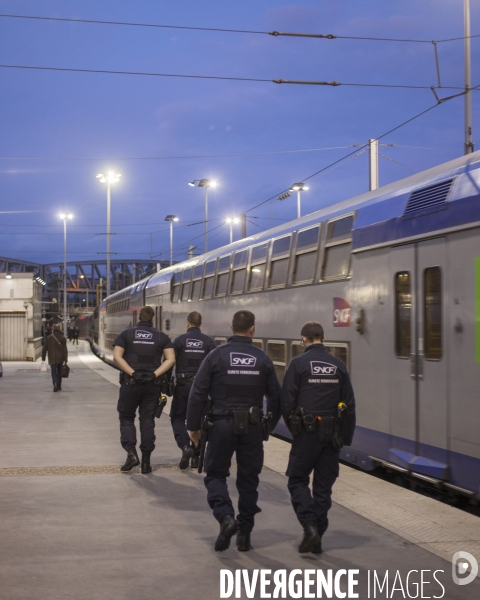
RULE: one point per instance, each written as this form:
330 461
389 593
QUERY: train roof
375 212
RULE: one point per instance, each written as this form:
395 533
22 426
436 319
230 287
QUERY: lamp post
65 217
205 183
232 221
109 178
171 219
299 187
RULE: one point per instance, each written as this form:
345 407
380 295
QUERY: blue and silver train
394 277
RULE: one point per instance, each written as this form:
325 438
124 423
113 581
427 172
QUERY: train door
418 390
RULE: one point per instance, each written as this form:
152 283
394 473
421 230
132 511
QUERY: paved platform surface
73 526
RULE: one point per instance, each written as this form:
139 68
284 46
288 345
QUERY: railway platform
73 526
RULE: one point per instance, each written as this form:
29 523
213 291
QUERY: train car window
296 349
238 281
219 341
339 350
403 314
176 287
277 351
258 344
432 313
187 274
209 279
258 268
259 253
240 259
224 263
257 275
306 255
210 267
336 261
239 269
197 282
279 262
223 275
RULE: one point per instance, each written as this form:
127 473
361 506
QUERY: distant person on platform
76 334
56 347
139 352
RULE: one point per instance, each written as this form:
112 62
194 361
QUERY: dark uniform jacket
235 375
56 347
143 345
190 350
316 381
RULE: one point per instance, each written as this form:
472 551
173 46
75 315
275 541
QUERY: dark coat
56 346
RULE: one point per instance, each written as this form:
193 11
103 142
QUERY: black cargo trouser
309 454
222 443
144 397
178 414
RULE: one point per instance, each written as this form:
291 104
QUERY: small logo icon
461 562
322 368
342 312
194 344
242 360
143 335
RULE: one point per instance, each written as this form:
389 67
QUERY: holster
266 420
240 422
255 415
310 423
295 423
326 429
160 406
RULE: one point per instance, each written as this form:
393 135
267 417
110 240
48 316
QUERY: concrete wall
20 297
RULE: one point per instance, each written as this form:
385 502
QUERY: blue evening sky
86 123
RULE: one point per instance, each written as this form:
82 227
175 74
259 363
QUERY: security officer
190 350
138 351
237 376
315 391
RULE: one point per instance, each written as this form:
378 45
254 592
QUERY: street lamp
232 221
8 275
109 178
65 216
299 187
171 218
205 183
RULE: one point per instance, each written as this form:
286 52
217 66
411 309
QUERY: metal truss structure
84 278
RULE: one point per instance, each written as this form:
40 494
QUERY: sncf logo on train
194 344
342 312
143 335
242 360
322 368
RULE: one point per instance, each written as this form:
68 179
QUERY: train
393 275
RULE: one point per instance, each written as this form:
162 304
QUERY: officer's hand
143 376
195 437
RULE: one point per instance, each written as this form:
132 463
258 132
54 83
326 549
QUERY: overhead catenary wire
340 160
328 36
226 78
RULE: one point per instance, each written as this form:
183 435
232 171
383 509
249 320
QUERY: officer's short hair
195 319
57 327
242 321
146 314
312 330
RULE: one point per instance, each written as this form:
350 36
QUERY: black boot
311 537
228 528
195 462
243 541
317 549
187 454
146 468
55 387
132 460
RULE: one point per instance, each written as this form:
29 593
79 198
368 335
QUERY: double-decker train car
393 275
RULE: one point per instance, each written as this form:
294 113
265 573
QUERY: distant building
20 316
